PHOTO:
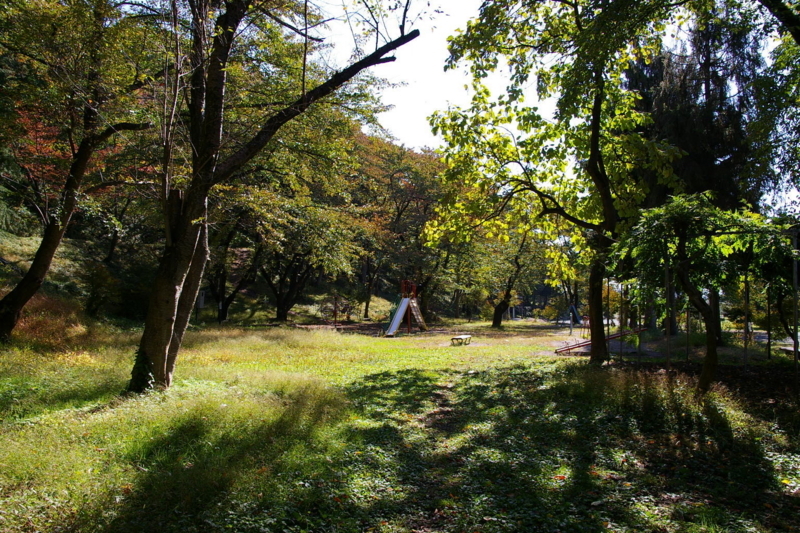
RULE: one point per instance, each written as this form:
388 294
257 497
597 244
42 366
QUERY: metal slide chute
397 319
408 305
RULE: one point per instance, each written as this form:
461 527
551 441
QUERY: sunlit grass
288 430
228 353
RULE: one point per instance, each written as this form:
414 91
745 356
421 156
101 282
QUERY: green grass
287 430
65 273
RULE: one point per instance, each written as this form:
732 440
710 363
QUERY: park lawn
287 430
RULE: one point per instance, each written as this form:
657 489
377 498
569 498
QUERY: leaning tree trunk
499 310
707 312
12 304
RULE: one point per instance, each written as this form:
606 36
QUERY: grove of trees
652 99
208 144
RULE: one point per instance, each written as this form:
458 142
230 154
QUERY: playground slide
397 319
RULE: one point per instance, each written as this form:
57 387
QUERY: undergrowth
290 431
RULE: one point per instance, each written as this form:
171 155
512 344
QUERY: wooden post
639 334
688 326
746 317
794 295
668 311
608 320
769 325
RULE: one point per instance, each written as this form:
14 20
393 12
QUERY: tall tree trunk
597 272
164 321
713 297
671 318
282 311
780 302
505 303
223 309
595 167
367 300
225 301
457 294
187 300
370 276
112 245
651 319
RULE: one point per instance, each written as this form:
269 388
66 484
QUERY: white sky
428 88
420 68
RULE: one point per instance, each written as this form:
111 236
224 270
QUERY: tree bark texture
12 303
457 295
499 310
185 253
597 272
707 312
174 289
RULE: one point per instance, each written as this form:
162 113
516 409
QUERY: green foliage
14 219
690 228
782 91
575 167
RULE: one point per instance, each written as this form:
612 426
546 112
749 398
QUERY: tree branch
787 16
298 31
115 183
233 163
122 126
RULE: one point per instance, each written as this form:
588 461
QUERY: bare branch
115 183
302 33
122 126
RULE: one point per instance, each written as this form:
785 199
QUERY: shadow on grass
512 449
203 476
29 396
404 391
508 450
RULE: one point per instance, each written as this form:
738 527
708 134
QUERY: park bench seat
461 339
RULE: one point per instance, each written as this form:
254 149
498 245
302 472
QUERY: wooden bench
461 340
